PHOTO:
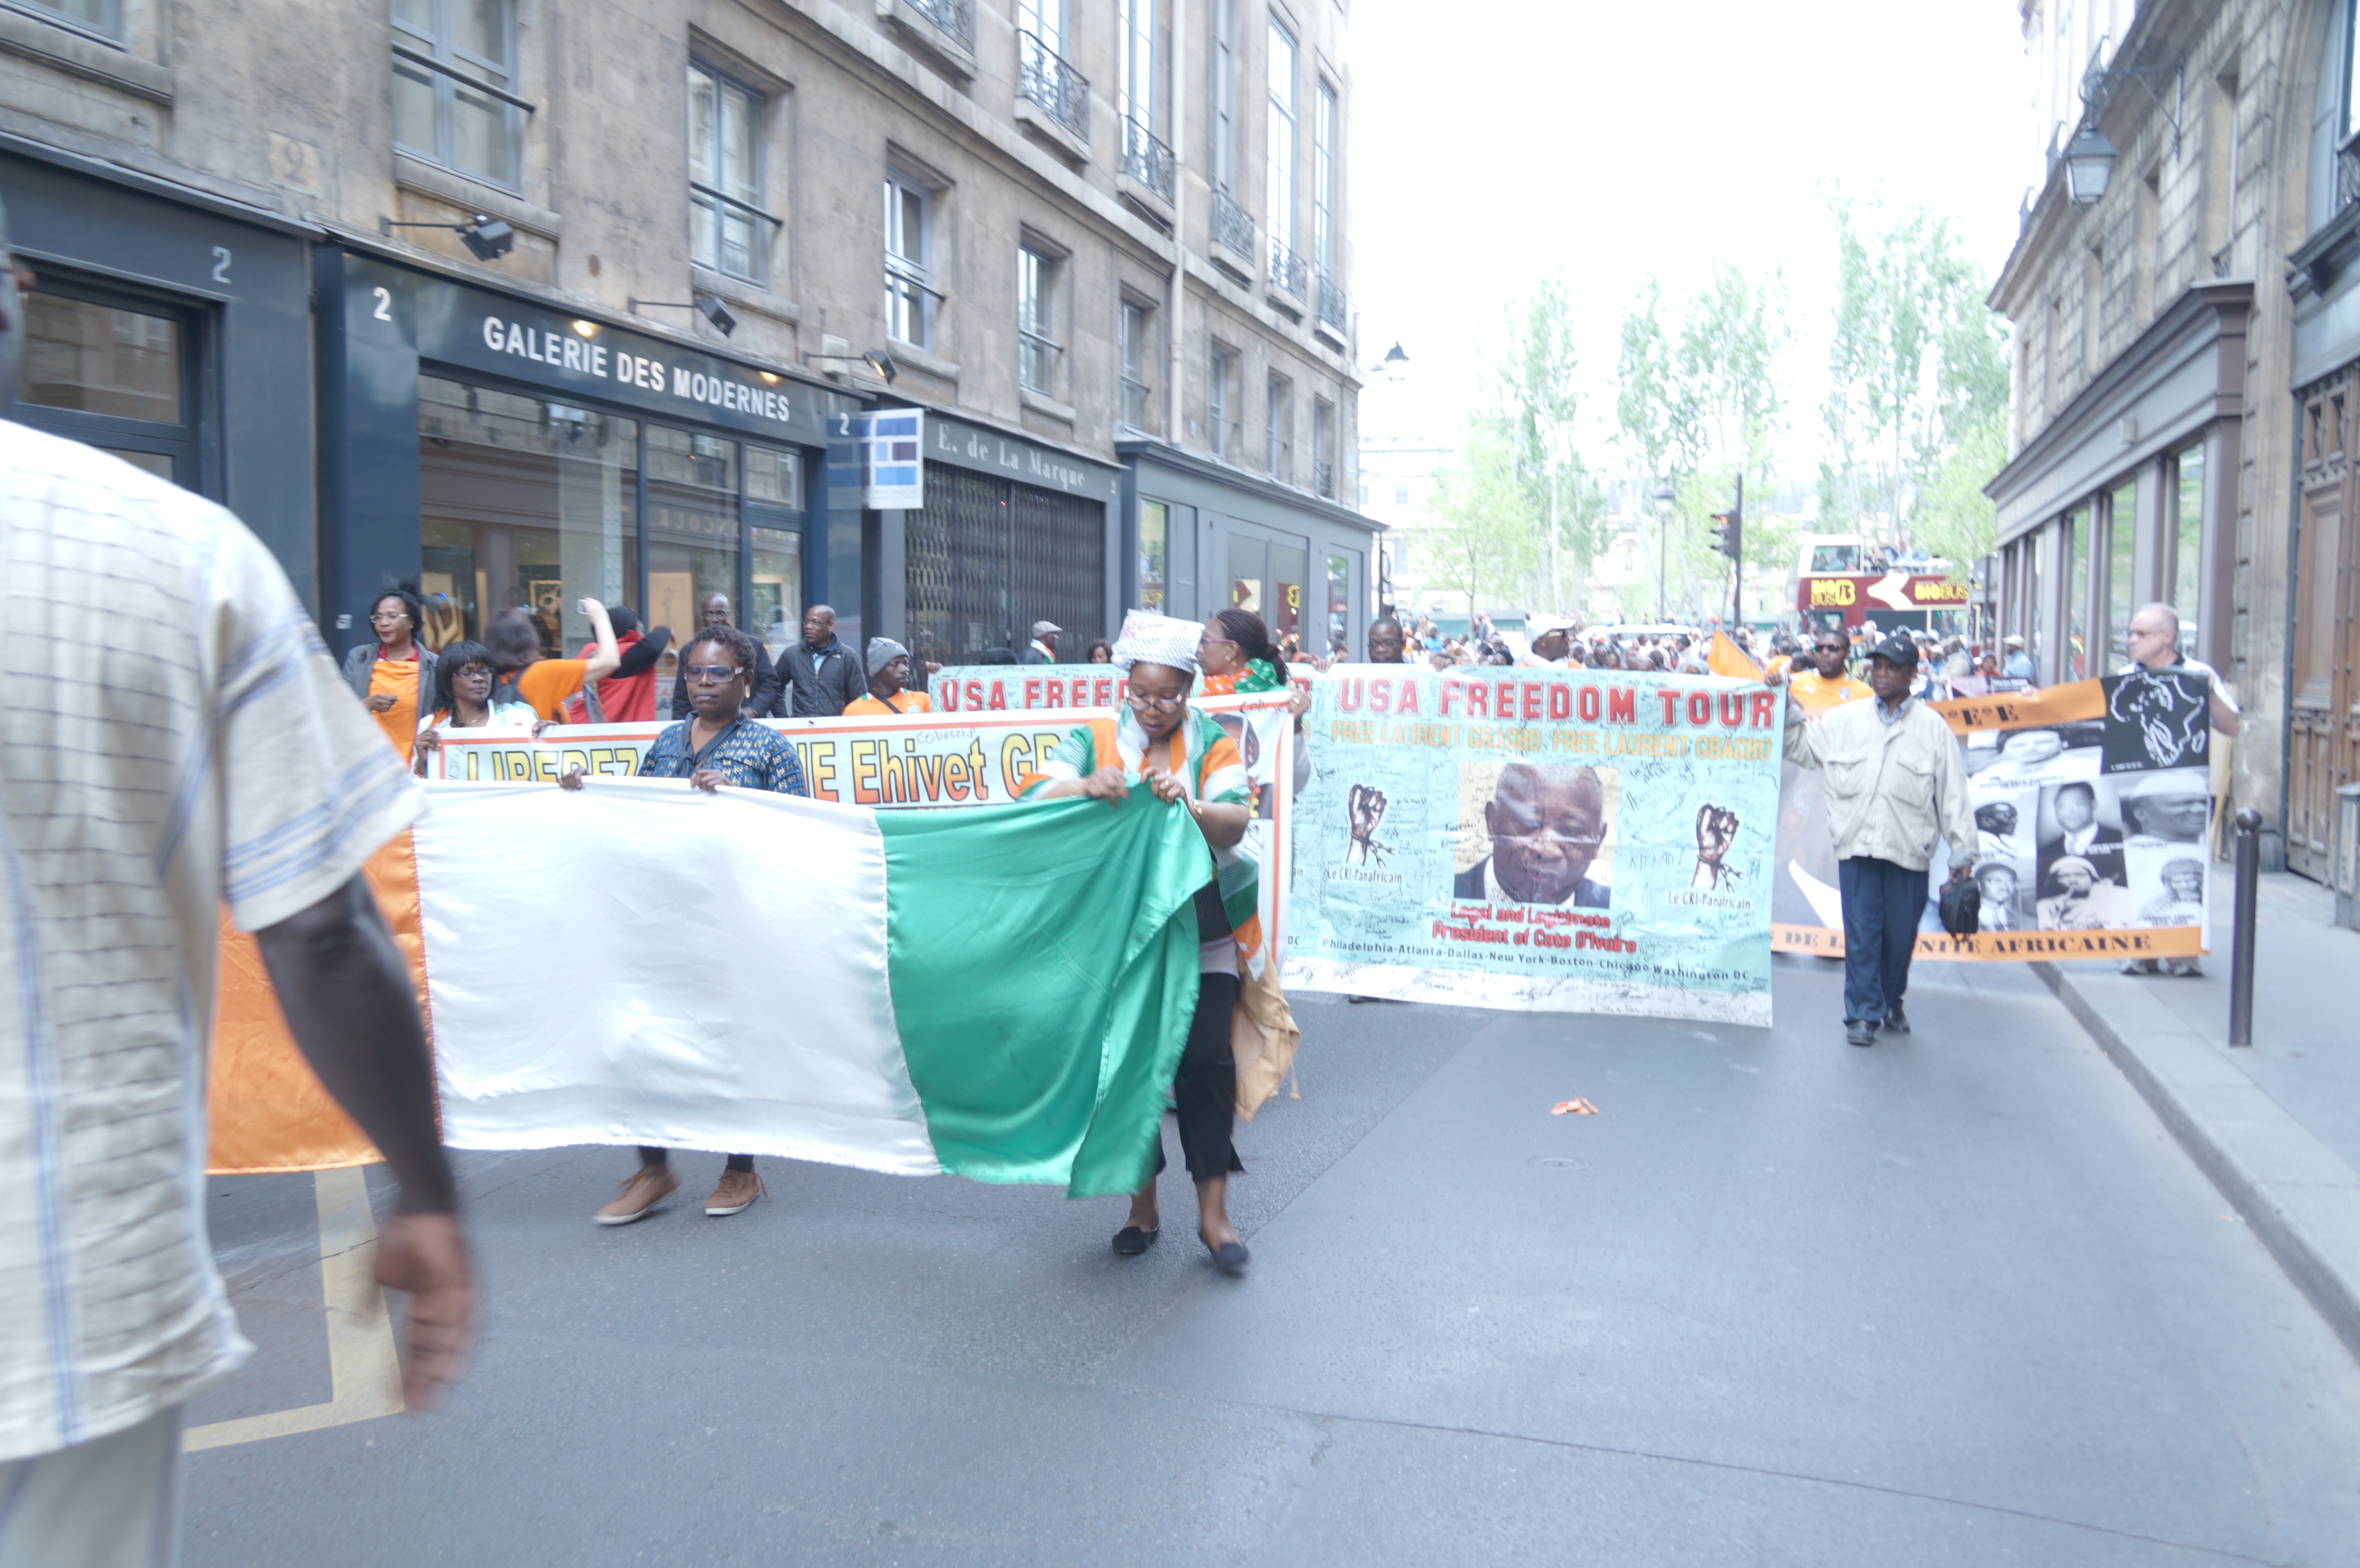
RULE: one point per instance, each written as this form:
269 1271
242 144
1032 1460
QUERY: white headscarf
1150 638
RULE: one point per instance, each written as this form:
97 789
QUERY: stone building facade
2187 374
529 302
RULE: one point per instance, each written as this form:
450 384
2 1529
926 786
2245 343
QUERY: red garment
624 699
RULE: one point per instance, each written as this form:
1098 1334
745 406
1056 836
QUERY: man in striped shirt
173 739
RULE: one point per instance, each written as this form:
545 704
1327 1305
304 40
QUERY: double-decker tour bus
1834 585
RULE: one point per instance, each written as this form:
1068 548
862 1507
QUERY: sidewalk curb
2298 1196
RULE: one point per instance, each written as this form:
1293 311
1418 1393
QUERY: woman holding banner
462 700
1181 755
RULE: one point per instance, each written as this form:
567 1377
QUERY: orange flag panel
269 1112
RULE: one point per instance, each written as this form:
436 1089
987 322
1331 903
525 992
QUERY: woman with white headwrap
1181 755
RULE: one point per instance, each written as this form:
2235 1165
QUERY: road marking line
364 1371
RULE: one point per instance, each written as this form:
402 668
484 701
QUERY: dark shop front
170 328
503 453
1012 531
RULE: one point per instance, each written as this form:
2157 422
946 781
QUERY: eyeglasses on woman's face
713 674
1153 705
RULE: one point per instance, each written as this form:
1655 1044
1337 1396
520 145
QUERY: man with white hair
174 740
2154 644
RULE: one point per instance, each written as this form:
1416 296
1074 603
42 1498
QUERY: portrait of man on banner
1538 834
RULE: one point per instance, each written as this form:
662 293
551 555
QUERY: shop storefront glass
777 611
112 372
1249 572
2039 571
2184 558
1154 537
1339 601
1290 575
691 523
2074 536
526 503
2121 537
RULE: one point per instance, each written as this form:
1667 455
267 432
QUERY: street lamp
2089 155
2089 164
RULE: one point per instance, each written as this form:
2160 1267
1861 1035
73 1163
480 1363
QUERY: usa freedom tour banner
2092 808
1560 840
999 688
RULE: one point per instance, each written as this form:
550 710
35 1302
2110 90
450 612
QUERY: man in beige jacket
1895 786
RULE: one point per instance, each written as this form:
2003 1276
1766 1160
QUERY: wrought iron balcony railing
1146 160
955 18
1287 271
1322 477
2348 175
1331 303
1063 92
1233 225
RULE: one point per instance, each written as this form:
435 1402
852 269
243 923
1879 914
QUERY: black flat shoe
1229 1257
1131 1241
1895 1020
1859 1034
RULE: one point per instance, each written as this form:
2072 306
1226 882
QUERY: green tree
1955 520
1695 411
1917 370
1483 532
1538 389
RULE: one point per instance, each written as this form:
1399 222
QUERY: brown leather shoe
735 1195
649 1185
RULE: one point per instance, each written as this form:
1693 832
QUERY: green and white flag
999 993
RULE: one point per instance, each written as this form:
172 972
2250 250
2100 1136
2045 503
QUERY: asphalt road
1954 1300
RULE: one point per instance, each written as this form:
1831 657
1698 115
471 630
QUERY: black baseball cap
1896 647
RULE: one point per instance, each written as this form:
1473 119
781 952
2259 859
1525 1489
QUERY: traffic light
1729 537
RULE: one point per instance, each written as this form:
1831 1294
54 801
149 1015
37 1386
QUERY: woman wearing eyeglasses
1237 655
718 744
1154 738
392 674
462 700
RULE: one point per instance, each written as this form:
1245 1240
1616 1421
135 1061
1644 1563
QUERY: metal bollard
2241 942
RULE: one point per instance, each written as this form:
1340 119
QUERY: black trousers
1883 903
650 1155
1207 1084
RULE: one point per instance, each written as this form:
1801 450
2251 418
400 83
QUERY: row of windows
1139 29
454 103
2071 587
454 64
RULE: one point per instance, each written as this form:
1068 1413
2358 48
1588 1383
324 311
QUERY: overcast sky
1496 143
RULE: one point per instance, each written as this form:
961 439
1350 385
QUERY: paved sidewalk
2276 1125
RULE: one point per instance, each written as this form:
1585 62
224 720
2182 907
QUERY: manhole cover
1560 1162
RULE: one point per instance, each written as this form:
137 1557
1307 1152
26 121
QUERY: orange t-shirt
543 687
903 703
396 678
